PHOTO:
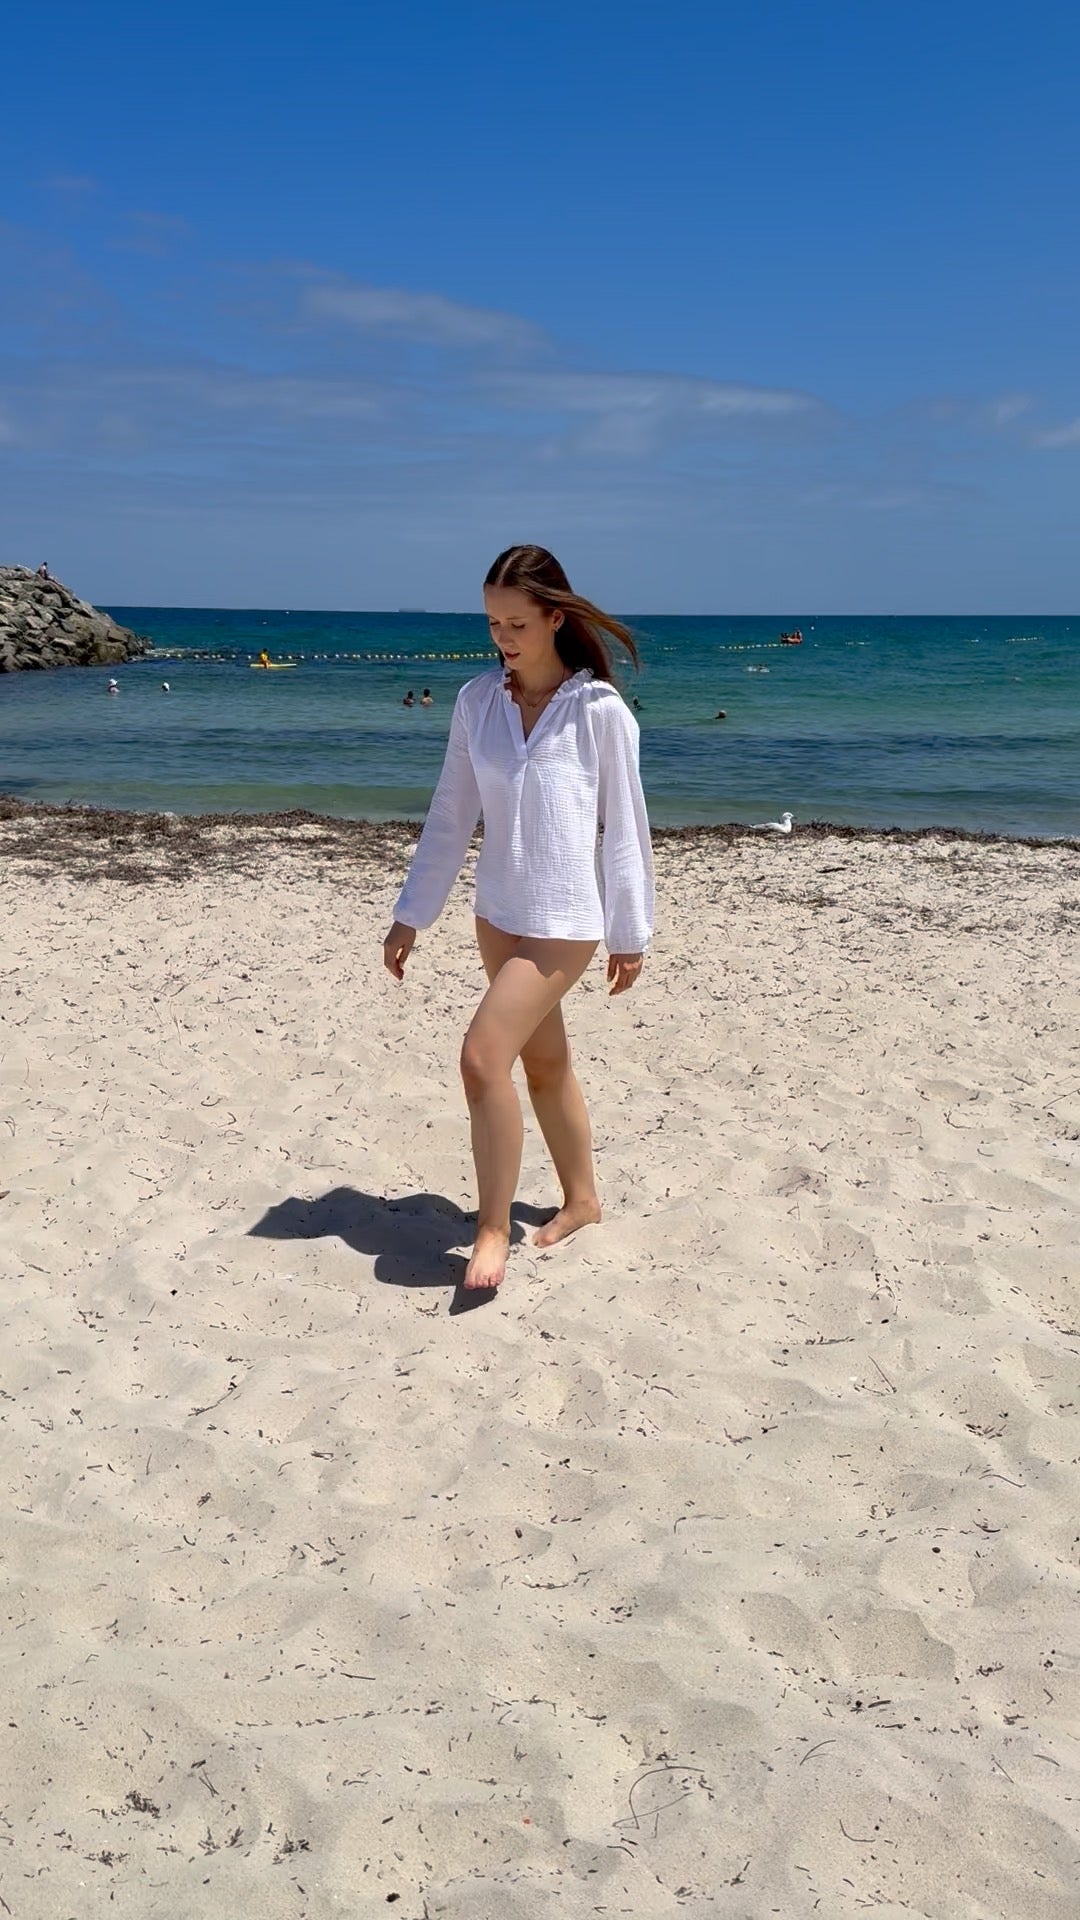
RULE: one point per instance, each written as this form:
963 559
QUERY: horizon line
656 613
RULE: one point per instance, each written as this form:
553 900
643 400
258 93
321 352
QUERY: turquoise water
882 722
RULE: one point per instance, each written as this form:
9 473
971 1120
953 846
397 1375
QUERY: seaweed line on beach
91 843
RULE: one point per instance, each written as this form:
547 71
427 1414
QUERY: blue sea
970 723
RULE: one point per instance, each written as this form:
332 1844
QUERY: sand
726 1562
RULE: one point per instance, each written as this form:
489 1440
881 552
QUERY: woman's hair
581 640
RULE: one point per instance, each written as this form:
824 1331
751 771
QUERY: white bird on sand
783 825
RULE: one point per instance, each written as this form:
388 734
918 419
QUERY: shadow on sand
413 1240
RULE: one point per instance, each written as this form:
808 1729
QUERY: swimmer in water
113 688
165 687
409 701
426 699
722 715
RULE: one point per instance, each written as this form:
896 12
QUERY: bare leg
560 1110
527 986
495 1124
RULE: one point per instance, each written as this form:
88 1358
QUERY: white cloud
72 183
153 234
1066 436
628 416
231 390
644 394
1007 408
429 319
210 413
968 412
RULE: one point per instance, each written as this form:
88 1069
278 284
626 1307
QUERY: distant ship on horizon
412 609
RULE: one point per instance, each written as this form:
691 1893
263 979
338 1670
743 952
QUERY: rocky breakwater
42 624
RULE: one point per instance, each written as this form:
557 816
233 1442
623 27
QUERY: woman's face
521 628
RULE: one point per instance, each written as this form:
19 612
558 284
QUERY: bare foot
487 1268
577 1213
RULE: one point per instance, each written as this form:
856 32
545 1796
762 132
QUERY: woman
545 749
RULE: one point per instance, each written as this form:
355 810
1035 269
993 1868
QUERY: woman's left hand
623 969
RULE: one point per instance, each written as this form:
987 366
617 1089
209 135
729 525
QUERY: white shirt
541 870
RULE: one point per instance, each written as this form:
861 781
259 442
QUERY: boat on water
792 639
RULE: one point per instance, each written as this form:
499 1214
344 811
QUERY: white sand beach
726 1562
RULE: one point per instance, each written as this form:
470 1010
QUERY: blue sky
768 308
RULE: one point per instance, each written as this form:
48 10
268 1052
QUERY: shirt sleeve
450 824
626 865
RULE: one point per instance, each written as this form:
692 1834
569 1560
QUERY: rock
43 624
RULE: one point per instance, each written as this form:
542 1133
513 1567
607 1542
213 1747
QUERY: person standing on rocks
56 629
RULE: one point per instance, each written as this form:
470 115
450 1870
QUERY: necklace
534 700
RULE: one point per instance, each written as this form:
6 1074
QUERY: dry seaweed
104 843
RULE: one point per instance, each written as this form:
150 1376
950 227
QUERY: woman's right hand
397 947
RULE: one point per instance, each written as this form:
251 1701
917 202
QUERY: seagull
783 825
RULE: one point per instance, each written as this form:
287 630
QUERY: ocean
971 723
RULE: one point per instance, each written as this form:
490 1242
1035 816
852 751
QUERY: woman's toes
487 1267
579 1213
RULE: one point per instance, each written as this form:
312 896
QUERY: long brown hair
582 639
